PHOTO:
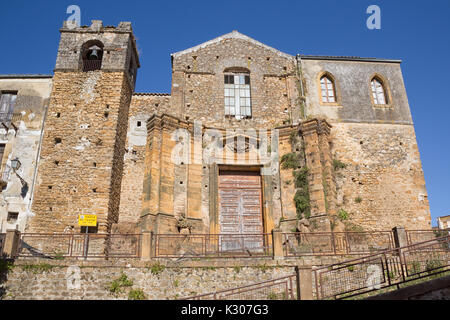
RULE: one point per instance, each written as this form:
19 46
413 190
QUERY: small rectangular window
12 217
7 104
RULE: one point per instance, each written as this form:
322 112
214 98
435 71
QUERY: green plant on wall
342 215
290 161
6 266
37 268
301 198
137 294
338 165
414 267
118 284
157 268
272 296
433 264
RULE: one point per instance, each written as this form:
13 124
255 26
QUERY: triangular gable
232 35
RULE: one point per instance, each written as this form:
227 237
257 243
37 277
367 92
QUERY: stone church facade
250 139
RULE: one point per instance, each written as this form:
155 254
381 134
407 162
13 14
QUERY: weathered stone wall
198 82
80 159
141 108
85 134
383 184
54 280
352 82
22 140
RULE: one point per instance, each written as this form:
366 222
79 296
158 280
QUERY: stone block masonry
85 134
58 280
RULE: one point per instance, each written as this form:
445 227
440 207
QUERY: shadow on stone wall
5 267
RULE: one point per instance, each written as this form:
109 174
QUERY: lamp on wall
15 165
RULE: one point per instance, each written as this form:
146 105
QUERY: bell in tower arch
95 53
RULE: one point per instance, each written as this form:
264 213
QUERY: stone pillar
304 283
146 245
322 193
277 244
400 237
11 245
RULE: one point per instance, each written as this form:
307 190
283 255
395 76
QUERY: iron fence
416 236
2 243
54 246
212 245
283 288
382 270
337 243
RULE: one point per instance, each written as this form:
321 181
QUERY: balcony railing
9 117
92 65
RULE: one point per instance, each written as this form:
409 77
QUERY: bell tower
81 161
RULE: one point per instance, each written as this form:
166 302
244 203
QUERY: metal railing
212 245
92 65
8 117
93 245
283 288
416 236
2 243
336 243
386 269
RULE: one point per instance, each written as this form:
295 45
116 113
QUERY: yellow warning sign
87 220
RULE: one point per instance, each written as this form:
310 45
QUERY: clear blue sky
415 31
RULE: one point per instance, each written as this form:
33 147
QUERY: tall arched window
378 91
237 94
327 89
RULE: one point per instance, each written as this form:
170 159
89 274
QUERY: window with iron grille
327 89
378 92
237 96
7 104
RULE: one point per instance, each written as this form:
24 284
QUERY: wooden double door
240 211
